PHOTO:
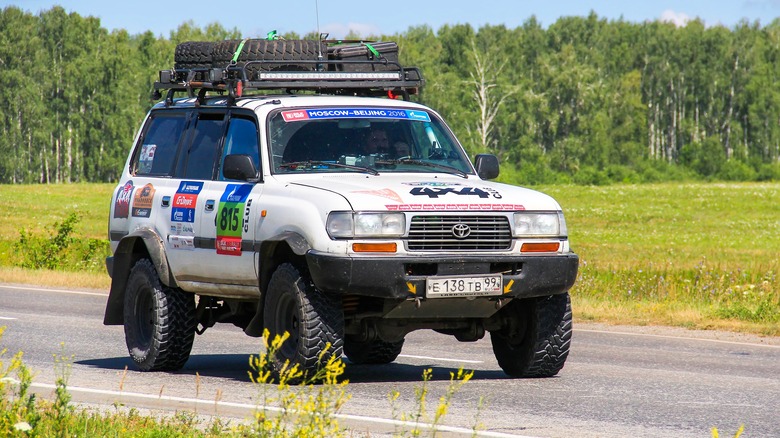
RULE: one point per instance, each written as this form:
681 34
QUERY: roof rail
378 77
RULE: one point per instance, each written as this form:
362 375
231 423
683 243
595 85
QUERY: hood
414 192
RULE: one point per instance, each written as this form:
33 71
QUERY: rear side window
204 149
159 145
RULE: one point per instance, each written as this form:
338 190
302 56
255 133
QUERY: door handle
166 201
210 205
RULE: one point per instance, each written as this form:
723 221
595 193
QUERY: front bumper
398 277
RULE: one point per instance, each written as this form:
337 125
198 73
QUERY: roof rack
341 77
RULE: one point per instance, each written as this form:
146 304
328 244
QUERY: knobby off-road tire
313 318
193 54
159 321
264 50
372 352
537 342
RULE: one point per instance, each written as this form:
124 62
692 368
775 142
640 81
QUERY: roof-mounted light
325 76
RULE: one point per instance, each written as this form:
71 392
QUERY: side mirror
487 166
239 167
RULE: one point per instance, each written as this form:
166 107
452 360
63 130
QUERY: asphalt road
617 382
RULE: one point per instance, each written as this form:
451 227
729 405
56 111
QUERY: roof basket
295 65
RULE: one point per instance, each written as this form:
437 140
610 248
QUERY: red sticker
292 116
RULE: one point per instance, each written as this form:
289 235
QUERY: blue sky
256 18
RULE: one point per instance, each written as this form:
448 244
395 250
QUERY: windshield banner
354 113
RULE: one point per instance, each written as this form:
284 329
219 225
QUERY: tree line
585 100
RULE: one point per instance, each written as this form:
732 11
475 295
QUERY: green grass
693 255
698 255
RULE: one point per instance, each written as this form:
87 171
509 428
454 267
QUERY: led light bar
324 76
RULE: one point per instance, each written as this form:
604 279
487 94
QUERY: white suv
347 221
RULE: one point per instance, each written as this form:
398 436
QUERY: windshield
363 140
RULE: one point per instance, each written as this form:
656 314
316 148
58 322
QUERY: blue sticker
185 200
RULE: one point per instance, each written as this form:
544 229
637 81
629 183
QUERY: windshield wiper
449 169
312 163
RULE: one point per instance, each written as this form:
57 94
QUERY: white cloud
678 18
340 30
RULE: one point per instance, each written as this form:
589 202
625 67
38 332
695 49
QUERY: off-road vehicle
295 186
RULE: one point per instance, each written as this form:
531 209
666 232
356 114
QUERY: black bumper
391 277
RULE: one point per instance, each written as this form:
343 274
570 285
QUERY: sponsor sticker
231 216
147 158
185 200
182 242
454 207
143 201
122 203
354 113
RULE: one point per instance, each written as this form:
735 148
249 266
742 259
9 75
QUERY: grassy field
694 255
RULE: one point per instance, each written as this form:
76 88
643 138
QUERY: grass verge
695 255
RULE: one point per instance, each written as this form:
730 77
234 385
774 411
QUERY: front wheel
159 321
536 339
313 319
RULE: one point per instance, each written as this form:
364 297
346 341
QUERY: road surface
617 382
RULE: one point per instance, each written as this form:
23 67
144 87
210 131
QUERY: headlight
548 224
358 224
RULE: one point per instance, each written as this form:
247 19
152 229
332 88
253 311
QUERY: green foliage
585 100
60 249
304 410
420 419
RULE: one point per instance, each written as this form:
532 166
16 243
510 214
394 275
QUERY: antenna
319 35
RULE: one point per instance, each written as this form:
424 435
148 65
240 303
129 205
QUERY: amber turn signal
540 247
374 247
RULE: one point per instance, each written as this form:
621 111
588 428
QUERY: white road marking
59 291
685 338
253 408
6 318
439 359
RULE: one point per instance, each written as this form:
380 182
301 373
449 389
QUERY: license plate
446 287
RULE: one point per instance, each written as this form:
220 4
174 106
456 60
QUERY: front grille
435 233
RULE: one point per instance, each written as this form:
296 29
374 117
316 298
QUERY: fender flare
269 258
138 244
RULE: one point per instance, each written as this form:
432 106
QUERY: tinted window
203 151
159 145
241 138
351 139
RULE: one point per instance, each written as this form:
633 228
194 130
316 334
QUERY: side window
203 151
241 138
159 145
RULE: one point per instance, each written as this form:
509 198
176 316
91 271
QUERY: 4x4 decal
435 192
230 218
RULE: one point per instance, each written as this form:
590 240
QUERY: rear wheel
159 321
313 318
535 342
371 352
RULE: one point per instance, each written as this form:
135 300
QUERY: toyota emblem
461 231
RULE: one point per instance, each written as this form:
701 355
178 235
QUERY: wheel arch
140 244
288 247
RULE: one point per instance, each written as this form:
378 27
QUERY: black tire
159 321
314 319
193 54
371 352
264 50
536 342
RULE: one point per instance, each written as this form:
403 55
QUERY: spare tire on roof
193 54
265 50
